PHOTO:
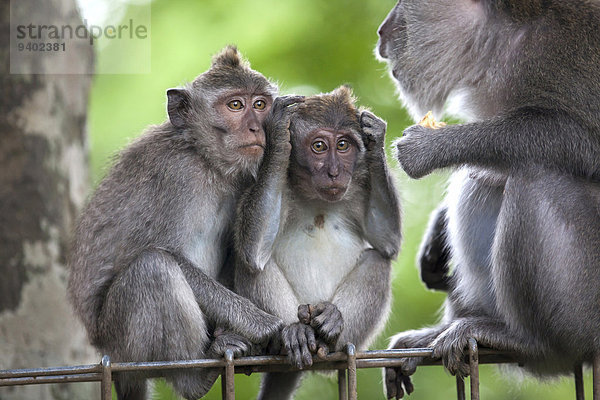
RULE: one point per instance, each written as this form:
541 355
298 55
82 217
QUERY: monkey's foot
451 347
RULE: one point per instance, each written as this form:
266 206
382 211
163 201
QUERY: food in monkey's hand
429 121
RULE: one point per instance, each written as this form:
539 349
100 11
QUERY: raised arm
382 222
259 209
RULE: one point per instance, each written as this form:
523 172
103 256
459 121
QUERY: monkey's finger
305 355
304 313
331 330
293 353
290 100
322 349
366 119
390 383
311 339
407 383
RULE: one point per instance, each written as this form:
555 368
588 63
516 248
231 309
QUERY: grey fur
296 249
522 211
156 235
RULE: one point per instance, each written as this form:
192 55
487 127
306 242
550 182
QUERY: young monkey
319 229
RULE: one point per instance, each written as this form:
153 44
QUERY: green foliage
307 46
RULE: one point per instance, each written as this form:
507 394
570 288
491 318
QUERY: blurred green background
307 46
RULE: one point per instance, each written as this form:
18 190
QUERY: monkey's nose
381 49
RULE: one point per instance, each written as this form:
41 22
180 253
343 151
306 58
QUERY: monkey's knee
194 385
150 313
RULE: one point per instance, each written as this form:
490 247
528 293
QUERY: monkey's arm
382 222
259 211
522 138
225 308
434 253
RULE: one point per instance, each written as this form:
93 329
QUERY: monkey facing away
319 229
154 237
522 212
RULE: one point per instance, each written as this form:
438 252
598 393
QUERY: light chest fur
315 252
205 243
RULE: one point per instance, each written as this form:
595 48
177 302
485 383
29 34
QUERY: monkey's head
438 50
222 111
327 145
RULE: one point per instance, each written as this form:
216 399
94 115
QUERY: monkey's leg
434 252
150 314
279 385
130 387
193 385
363 299
547 261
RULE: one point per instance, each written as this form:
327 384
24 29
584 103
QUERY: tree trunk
43 184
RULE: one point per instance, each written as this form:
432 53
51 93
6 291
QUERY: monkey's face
325 160
243 114
431 47
392 38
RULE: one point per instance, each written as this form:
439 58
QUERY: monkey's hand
373 131
397 379
327 321
225 340
277 125
299 342
417 150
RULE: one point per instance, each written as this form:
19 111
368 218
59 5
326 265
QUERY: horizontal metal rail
345 362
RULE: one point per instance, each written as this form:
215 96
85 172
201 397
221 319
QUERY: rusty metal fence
346 363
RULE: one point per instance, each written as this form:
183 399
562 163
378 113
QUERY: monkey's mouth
252 149
333 193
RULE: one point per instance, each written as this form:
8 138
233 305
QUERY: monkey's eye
235 105
259 104
343 145
319 146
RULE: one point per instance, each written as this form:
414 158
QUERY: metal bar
229 376
342 385
106 384
460 388
79 369
579 392
474 367
161 365
596 374
38 380
351 351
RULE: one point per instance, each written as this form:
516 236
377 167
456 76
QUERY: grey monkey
521 215
316 233
157 233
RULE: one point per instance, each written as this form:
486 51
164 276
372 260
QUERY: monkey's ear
178 106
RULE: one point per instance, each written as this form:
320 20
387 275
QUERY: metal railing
346 363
